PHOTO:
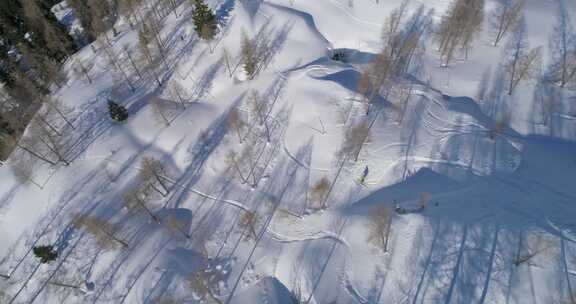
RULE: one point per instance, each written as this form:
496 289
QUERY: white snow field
499 225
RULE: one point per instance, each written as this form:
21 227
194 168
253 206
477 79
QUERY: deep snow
490 199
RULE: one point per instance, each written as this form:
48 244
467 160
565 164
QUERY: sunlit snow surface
492 199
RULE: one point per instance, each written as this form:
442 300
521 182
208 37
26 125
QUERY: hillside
301 183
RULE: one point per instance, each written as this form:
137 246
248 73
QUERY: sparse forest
287 151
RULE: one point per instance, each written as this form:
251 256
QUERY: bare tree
159 109
145 37
320 191
103 231
354 140
136 198
402 94
153 171
117 65
522 64
129 8
458 28
43 132
374 78
563 46
54 105
505 17
228 61
29 145
175 224
391 29
248 222
80 68
530 246
402 45
199 282
380 225
236 122
23 170
234 161
132 62
177 93
260 108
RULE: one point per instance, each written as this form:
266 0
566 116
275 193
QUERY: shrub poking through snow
46 253
117 112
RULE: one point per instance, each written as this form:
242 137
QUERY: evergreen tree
46 253
117 112
204 20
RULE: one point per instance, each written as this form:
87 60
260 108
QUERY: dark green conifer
117 112
46 253
204 19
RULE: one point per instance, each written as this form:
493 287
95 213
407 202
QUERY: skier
364 175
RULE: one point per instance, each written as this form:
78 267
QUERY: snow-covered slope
492 199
